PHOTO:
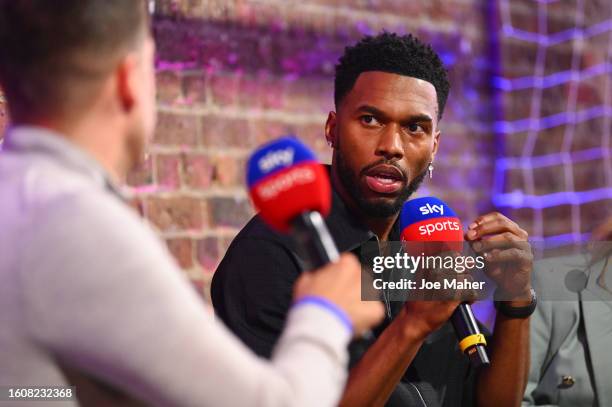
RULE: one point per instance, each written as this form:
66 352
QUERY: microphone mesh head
286 179
433 223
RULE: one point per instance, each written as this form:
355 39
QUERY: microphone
292 192
432 227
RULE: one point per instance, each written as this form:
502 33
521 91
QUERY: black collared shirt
252 293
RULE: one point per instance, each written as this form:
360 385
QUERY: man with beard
89 295
390 93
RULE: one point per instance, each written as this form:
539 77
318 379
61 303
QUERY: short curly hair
388 52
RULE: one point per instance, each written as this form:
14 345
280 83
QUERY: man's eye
414 127
369 120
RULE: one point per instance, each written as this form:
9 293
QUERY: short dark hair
46 45
388 52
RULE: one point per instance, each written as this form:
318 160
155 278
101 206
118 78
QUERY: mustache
393 163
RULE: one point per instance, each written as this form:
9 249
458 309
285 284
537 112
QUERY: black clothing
252 293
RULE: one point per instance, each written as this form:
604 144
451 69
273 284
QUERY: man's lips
385 179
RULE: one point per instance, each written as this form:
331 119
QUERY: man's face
385 135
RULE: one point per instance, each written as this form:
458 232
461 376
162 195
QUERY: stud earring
430 169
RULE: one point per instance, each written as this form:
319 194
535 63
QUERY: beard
373 209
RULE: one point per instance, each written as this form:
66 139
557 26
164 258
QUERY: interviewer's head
83 68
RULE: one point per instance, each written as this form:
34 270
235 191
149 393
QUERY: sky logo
431 209
276 158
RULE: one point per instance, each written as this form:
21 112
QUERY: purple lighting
559 119
517 199
547 40
557 78
549 160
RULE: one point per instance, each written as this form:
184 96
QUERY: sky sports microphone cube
430 226
286 179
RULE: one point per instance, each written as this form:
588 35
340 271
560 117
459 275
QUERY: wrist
412 329
327 305
515 307
520 297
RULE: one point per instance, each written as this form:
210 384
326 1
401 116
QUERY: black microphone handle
465 326
314 241
316 245
318 248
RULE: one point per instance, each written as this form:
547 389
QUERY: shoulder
88 224
257 257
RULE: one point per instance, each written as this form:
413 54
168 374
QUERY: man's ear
436 142
127 82
330 129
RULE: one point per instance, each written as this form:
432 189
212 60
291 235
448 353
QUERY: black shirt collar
348 232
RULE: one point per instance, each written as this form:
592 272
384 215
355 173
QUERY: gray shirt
85 283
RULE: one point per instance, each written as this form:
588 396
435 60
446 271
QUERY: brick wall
233 74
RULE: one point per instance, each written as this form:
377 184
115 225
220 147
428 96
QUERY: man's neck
83 135
381 227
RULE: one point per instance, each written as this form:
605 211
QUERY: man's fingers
494 223
509 255
500 241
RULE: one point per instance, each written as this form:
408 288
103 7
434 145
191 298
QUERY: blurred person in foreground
390 93
89 295
571 329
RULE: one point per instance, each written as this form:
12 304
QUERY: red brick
513 143
514 180
588 134
517 104
225 88
548 180
518 58
229 212
167 170
197 171
177 213
265 130
313 135
554 100
589 175
176 129
168 87
558 58
309 96
524 217
596 11
182 250
226 132
207 250
591 92
229 170
262 91
194 89
548 141
593 213
558 220
525 19
141 175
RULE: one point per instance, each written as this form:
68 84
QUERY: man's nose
390 143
